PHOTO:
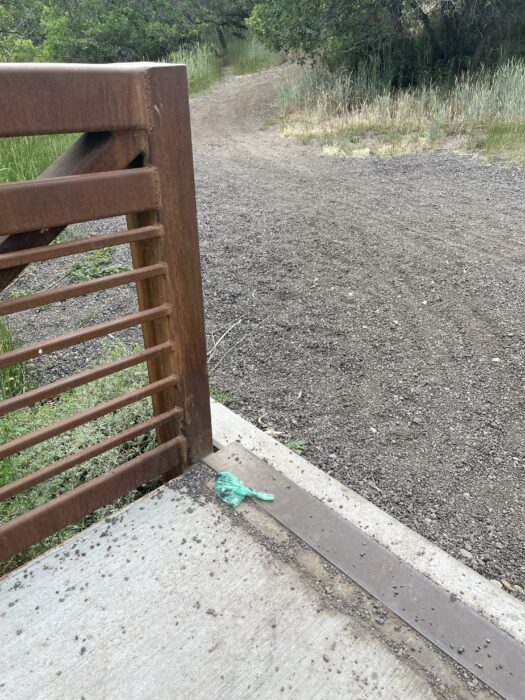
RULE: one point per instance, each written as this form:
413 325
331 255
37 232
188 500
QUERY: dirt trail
382 306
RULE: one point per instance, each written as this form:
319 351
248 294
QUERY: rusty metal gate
133 158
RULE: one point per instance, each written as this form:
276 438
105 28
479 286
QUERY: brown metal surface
52 202
170 136
30 480
84 245
28 352
31 527
100 152
468 638
63 426
70 291
57 98
50 391
135 160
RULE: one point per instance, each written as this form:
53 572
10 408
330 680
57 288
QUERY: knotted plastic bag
233 491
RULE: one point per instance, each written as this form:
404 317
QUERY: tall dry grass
359 113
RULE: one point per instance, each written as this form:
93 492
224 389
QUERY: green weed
87 317
297 446
220 395
96 263
14 379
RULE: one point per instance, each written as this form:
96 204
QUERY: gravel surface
379 305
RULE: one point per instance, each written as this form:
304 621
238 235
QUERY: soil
381 308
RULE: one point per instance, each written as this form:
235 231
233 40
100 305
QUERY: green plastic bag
233 491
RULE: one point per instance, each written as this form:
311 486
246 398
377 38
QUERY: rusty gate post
170 152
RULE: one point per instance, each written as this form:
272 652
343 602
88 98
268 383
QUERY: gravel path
381 308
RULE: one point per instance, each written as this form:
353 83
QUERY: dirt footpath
382 307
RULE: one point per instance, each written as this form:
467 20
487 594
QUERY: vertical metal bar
149 294
170 151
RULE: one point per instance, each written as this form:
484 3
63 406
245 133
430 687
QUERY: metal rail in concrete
468 638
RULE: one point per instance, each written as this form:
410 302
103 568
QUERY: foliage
220 15
20 32
359 113
96 263
14 379
248 55
202 64
26 157
297 446
410 38
105 31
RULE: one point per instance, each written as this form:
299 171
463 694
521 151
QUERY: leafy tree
408 36
99 31
219 15
20 33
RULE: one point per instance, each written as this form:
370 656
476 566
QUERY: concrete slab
176 596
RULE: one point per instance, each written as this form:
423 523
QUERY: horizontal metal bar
69 507
28 352
57 98
37 477
84 245
91 153
71 291
57 201
63 426
49 391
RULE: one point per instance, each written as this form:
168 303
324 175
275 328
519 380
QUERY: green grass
14 379
220 395
203 65
26 157
96 263
502 140
43 414
358 114
247 55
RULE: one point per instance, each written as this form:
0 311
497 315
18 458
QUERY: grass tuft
297 446
95 264
26 157
14 379
247 55
203 65
359 114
